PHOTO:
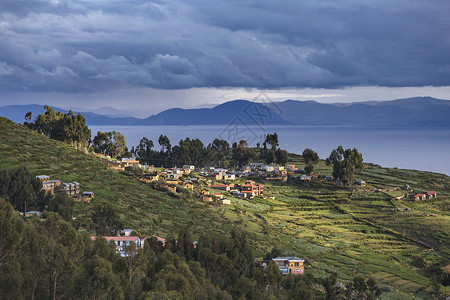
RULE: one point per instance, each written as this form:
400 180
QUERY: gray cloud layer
84 45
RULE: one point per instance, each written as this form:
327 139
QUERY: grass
336 230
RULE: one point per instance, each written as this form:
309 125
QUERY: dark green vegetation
49 260
68 128
24 192
346 163
109 143
217 153
335 229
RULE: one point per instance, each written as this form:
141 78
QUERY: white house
190 167
122 242
268 168
229 176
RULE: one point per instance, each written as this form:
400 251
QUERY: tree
28 116
110 143
346 163
97 280
61 204
21 189
136 263
144 149
332 288
281 156
272 140
362 289
68 128
105 219
241 153
311 158
164 142
11 228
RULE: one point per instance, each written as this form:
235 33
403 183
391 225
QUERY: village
218 184
211 185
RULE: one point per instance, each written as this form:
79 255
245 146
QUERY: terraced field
353 231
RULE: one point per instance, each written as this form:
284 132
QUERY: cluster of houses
206 176
429 195
211 178
123 163
223 179
69 188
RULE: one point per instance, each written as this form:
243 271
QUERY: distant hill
17 113
250 113
409 112
419 111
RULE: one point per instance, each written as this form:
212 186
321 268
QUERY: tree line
68 128
49 259
73 130
217 153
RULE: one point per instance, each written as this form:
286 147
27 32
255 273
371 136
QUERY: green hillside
398 242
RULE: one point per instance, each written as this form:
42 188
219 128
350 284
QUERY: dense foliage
68 128
218 153
50 259
311 159
24 192
346 163
110 143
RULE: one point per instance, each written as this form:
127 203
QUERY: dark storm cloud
61 45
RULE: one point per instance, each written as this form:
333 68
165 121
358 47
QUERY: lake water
425 149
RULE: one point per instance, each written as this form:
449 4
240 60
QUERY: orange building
290 265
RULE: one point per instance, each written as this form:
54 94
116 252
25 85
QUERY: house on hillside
256 165
291 167
246 169
50 185
268 168
360 182
419 196
33 213
70 188
223 187
188 185
147 178
122 242
217 195
88 195
290 265
191 168
431 195
207 198
228 176
43 178
127 162
252 189
305 178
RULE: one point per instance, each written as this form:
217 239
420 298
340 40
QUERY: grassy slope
363 234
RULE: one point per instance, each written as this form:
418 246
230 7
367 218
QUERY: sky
141 57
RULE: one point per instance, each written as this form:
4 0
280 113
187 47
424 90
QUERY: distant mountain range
417 112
